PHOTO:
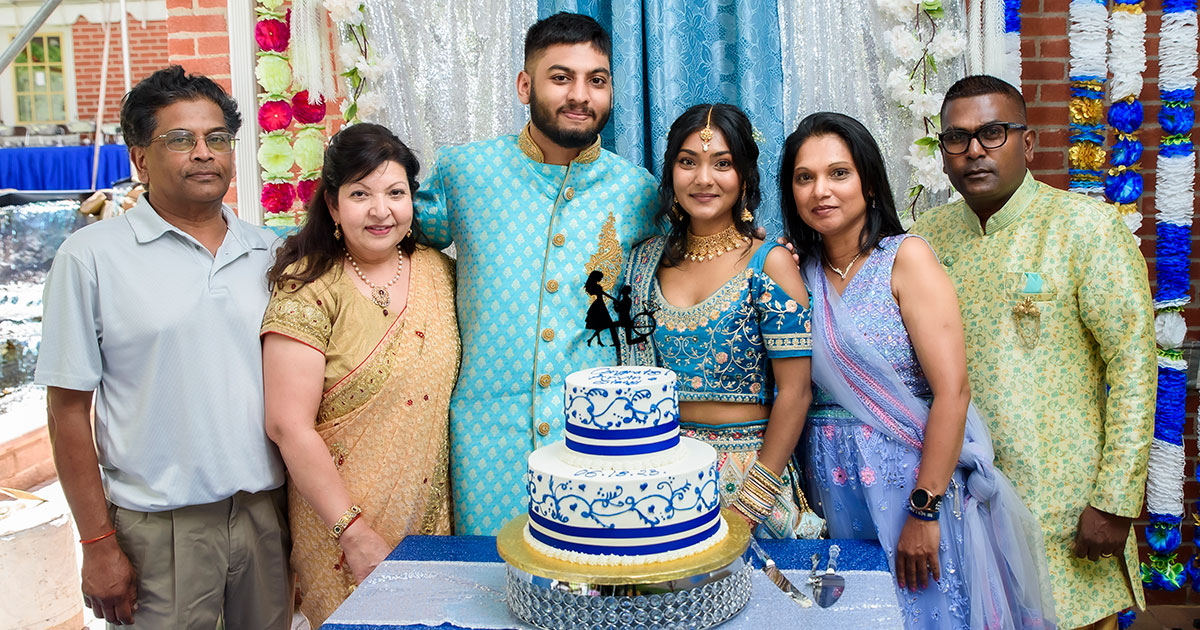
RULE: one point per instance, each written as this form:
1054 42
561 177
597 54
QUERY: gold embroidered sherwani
1056 306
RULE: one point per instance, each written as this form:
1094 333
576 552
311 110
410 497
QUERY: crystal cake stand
698 591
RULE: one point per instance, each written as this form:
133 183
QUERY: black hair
139 107
881 217
739 135
353 153
565 28
981 85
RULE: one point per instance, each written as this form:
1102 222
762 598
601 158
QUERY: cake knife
777 577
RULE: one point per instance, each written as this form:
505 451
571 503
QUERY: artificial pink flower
305 112
278 197
272 35
274 115
305 188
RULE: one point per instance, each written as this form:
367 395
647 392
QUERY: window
40 78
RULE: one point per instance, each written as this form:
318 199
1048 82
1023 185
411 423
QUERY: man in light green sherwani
532 216
1060 345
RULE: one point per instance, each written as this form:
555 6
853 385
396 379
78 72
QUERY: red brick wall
198 40
147 50
1046 59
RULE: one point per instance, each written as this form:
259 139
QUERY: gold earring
409 233
747 216
337 232
676 211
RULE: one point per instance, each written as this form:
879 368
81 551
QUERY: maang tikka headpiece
706 134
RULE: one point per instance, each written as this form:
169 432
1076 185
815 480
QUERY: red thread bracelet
351 522
98 538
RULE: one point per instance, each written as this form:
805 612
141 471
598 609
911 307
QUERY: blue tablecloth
856 555
61 168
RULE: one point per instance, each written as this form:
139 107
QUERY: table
61 168
862 562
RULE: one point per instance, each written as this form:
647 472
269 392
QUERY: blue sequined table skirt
401 593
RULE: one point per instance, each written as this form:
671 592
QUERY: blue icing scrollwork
629 409
567 501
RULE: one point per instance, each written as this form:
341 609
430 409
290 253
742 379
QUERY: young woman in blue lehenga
732 315
893 450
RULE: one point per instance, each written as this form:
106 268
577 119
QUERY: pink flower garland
276 113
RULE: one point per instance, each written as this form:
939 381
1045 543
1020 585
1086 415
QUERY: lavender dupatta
1005 560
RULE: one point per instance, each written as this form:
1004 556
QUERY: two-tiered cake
623 488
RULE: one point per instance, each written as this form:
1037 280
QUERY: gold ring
1106 555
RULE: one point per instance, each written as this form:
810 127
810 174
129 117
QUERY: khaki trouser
200 563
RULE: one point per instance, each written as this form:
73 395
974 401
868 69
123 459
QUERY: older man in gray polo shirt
179 505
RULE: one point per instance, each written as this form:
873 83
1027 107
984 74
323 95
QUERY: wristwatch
923 504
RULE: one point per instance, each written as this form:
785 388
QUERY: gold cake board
514 550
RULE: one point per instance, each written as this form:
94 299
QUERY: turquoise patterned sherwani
527 234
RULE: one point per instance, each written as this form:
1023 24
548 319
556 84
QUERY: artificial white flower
926 104
903 43
344 11
900 10
372 71
947 45
899 87
927 167
370 105
348 54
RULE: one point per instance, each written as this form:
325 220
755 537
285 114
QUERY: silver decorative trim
701 601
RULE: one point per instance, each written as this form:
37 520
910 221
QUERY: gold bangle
340 526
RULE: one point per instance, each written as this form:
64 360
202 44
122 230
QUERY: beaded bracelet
340 526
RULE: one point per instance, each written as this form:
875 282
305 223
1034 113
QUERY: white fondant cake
624 487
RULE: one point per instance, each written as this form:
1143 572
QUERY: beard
545 120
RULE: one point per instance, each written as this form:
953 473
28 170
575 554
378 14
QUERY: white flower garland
917 45
360 65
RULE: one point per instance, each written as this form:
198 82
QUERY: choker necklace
379 294
701 248
842 274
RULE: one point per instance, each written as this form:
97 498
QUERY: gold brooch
1028 318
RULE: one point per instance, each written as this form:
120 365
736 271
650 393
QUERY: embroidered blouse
720 348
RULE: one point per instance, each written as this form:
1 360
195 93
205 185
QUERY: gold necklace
839 272
379 294
701 248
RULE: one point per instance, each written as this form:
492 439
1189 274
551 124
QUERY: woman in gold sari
360 354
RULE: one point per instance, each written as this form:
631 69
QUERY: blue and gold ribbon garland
1174 198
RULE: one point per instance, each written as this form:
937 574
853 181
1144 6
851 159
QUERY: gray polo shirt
167 335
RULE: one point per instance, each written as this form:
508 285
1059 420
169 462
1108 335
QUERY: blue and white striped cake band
624 542
617 442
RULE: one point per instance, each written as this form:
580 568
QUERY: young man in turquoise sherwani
531 215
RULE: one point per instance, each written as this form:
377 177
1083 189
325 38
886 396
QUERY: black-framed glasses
181 141
990 136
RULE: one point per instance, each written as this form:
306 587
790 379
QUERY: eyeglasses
181 141
990 136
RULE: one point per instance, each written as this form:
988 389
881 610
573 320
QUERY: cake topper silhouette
638 327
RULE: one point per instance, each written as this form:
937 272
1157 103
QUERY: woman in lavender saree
894 450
